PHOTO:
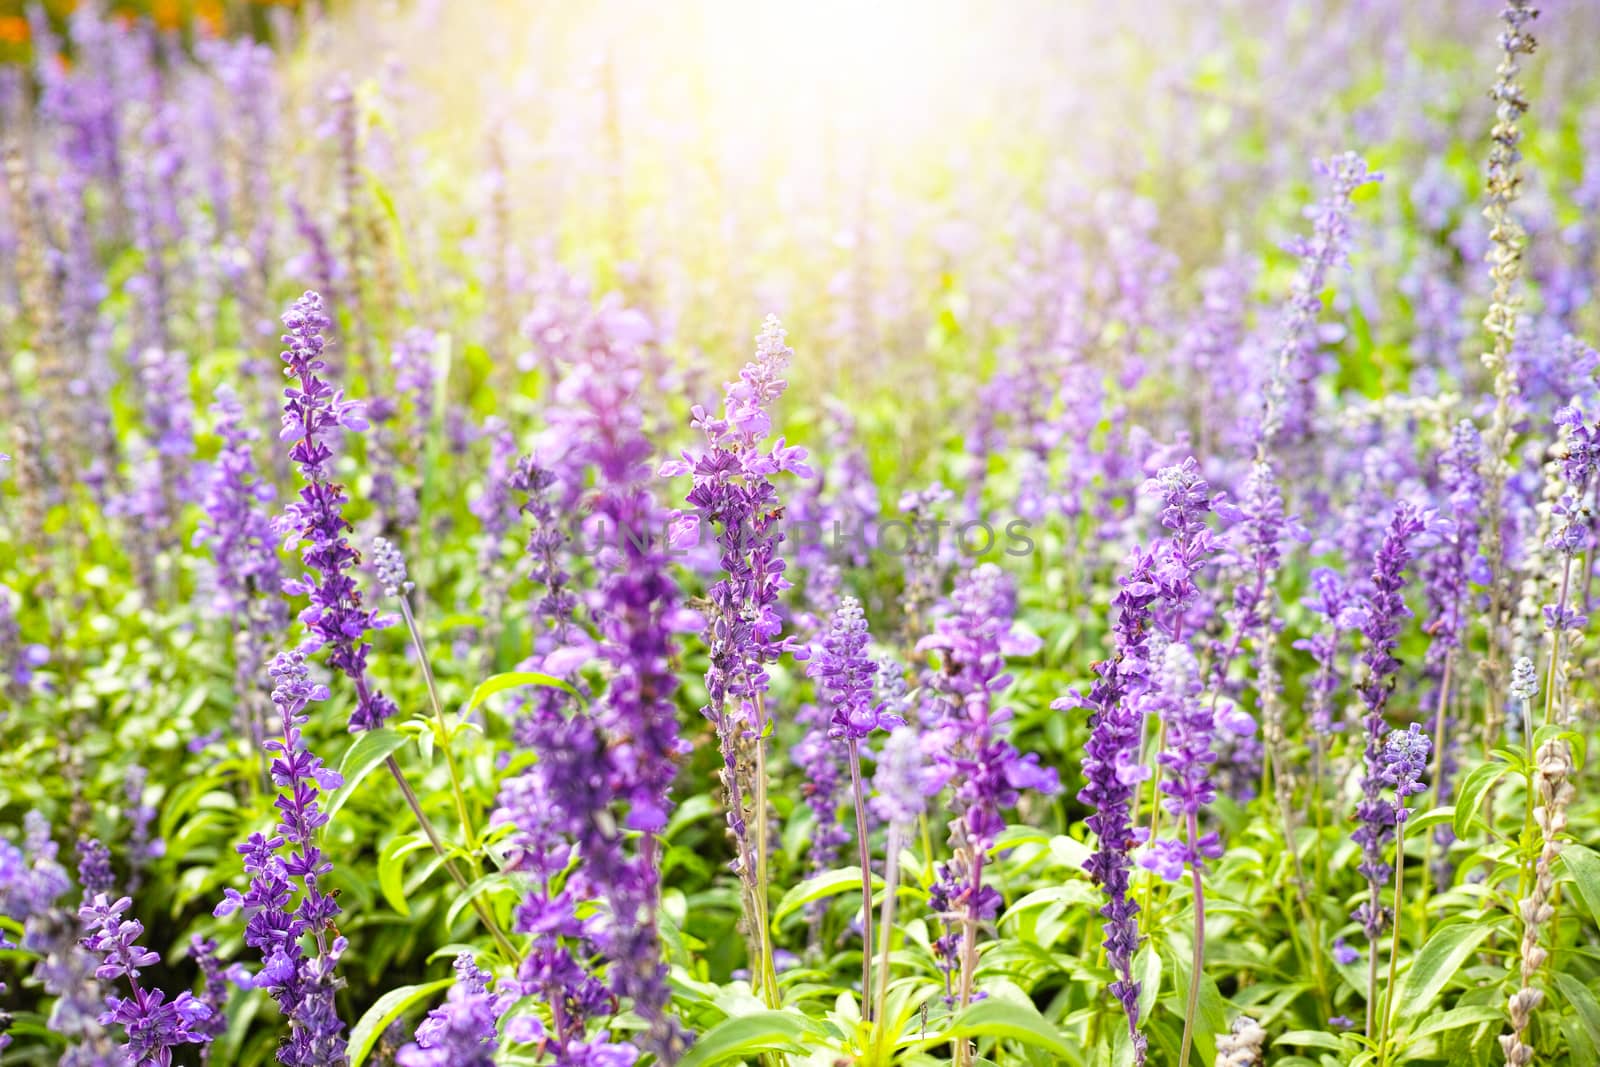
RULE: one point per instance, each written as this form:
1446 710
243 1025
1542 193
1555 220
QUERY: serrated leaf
384 1011
360 759
1435 964
1014 1021
747 1034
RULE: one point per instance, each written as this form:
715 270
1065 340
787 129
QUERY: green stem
1438 795
1394 943
758 822
444 728
864 851
1197 966
891 876
484 915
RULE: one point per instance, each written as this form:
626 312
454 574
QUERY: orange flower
13 29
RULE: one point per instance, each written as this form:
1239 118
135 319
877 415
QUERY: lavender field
704 533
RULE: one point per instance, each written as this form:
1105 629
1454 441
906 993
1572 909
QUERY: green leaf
1456 1018
1584 866
392 871
1429 819
360 759
1469 796
1015 1021
465 898
386 1010
1147 965
744 1035
499 683
1312 1039
1583 1003
1436 963
813 889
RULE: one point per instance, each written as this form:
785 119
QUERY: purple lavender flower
335 617
141 847
820 760
1333 602
390 566
734 491
464 1032
1192 729
246 576
1112 772
968 741
303 985
154 1025
1405 761
1385 614
605 768
902 784
1446 573
845 675
213 991
32 882
1343 954
94 867
1157 597
1285 399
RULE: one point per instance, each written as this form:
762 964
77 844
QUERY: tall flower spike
313 410
734 491
1384 616
1325 250
588 812
154 1025
247 578
974 753
290 862
465 1031
1112 772
1506 241
845 678
845 675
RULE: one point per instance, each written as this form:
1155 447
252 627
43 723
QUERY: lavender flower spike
734 489
154 1025
465 1031
1112 773
313 410
304 986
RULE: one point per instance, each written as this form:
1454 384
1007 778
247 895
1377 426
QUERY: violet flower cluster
246 575
313 410
845 677
1385 613
1158 594
1286 400
605 769
289 864
968 741
154 1025
464 1032
734 491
